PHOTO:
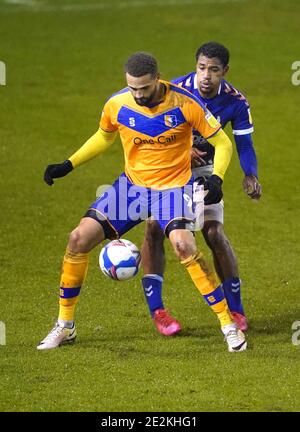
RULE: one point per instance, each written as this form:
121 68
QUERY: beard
145 101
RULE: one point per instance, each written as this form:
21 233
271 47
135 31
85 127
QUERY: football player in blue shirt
227 104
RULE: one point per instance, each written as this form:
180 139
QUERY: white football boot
59 335
235 338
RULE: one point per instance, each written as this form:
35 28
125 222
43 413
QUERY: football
120 259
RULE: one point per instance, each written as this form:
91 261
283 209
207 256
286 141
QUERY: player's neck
159 94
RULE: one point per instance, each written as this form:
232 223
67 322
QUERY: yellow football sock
74 271
205 281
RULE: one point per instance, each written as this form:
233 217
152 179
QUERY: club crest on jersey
170 121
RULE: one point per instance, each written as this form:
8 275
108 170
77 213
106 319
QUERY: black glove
56 171
213 185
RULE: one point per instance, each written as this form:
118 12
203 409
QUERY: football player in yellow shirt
155 120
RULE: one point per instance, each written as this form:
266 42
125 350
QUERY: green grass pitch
63 59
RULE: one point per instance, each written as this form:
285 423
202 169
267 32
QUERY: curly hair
214 49
141 63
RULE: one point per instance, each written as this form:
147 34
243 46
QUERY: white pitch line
38 6
21 2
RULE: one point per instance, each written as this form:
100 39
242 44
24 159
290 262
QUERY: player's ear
225 70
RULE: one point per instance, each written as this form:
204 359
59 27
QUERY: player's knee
77 242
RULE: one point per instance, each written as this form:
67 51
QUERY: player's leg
153 261
204 279
153 253
225 261
82 240
103 220
184 245
176 218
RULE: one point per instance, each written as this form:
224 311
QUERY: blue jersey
229 105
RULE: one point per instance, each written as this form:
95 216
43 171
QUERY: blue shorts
124 205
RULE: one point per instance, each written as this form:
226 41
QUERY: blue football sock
232 291
152 284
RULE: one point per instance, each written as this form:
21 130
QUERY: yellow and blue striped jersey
157 139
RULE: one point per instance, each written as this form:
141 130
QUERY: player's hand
252 187
56 171
214 186
196 156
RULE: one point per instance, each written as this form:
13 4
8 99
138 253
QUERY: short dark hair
214 49
141 63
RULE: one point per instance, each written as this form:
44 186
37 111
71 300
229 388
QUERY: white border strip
243 131
39 6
